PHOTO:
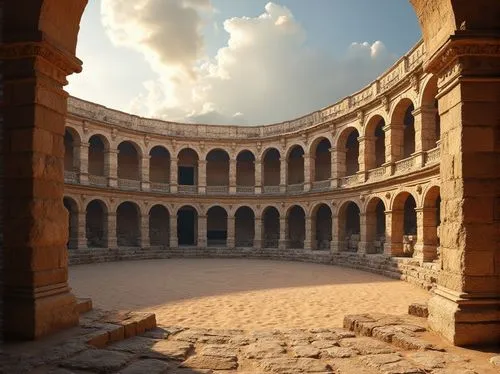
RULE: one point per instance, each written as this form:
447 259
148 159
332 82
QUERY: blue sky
236 61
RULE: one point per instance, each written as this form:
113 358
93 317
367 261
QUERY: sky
239 62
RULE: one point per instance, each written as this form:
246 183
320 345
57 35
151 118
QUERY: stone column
393 145
145 185
362 245
388 234
426 245
362 140
338 165
230 242
258 177
232 176
333 168
173 231
257 239
202 177
82 231
310 234
202 231
308 172
84 163
282 244
36 58
465 306
111 167
425 137
334 244
145 240
283 174
369 154
174 170
112 241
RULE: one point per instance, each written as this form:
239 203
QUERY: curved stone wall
355 184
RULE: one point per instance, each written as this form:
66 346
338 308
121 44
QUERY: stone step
83 305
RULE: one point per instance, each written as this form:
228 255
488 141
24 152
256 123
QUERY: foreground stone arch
457 35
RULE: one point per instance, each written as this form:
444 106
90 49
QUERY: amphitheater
400 179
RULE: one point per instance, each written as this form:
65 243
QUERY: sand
241 293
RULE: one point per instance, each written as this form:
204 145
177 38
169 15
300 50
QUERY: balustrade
159 187
70 176
433 156
376 174
245 189
295 188
405 165
217 190
271 189
129 184
191 189
321 185
349 180
98 180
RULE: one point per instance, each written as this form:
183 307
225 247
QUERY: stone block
418 310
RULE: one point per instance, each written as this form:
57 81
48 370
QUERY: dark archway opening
128 232
187 226
159 226
96 224
244 227
216 227
271 227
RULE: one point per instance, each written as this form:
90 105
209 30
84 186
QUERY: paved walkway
241 293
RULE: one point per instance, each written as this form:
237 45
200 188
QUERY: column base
362 247
425 253
282 244
29 317
464 320
334 246
84 178
308 245
145 186
257 244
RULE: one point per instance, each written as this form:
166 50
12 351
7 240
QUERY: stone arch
349 226
295 164
187 166
217 226
375 142
128 224
159 226
348 152
270 227
244 226
321 159
375 225
98 148
403 224
159 165
271 167
295 227
403 129
73 221
187 225
129 160
96 223
72 142
321 230
429 112
245 168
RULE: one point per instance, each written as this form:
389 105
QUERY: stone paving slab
174 350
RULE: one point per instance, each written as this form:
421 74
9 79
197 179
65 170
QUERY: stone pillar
111 167
310 231
338 165
367 158
258 177
362 245
425 134
334 244
145 185
145 240
308 172
112 241
465 306
232 176
426 245
202 177
257 239
81 242
36 58
334 169
230 242
362 140
394 144
388 234
84 163
174 171
173 231
283 174
202 231
282 244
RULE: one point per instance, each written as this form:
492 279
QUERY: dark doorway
186 224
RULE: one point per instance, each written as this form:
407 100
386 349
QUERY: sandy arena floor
241 293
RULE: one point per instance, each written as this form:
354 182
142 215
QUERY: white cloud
266 72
